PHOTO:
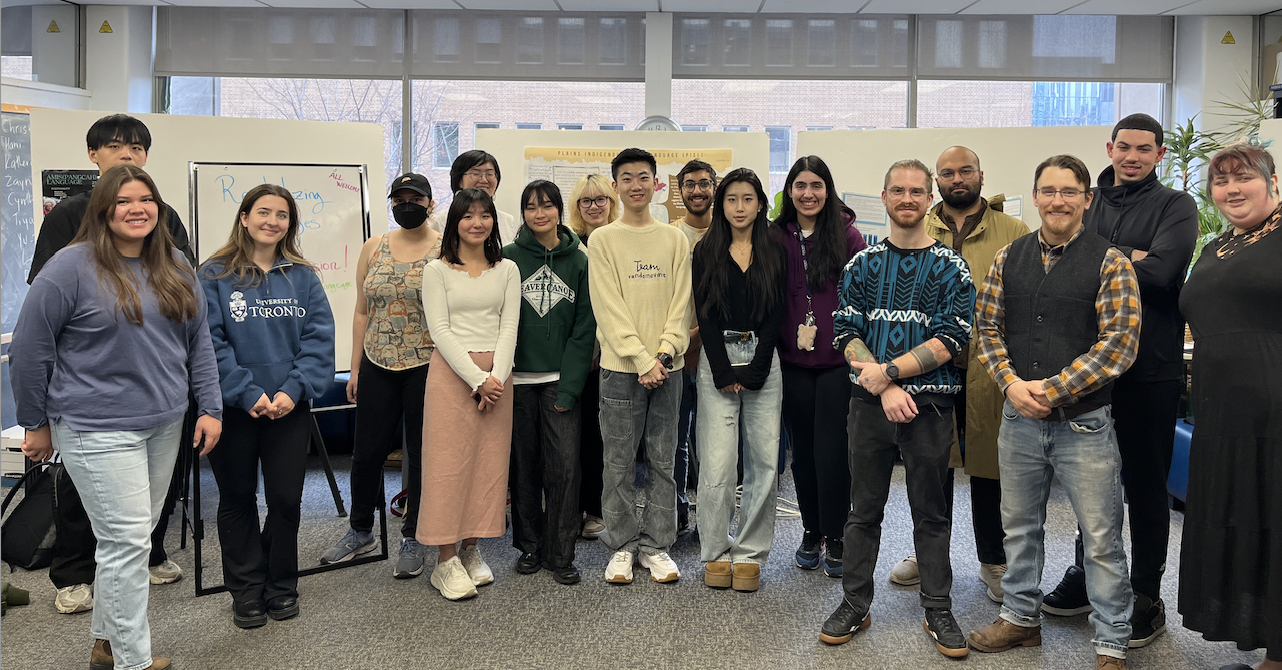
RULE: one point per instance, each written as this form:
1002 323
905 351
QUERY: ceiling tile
812 6
915 6
1130 7
497 5
313 4
211 3
1230 7
705 6
410 4
995 7
608 5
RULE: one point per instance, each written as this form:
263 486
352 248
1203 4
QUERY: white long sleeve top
473 314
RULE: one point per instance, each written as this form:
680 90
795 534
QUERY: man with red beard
904 313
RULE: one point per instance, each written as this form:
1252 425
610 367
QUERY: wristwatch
892 370
665 359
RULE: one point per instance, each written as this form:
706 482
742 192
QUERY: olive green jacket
983 399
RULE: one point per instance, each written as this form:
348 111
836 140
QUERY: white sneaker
593 526
476 568
661 566
906 573
619 571
165 573
452 580
991 575
72 599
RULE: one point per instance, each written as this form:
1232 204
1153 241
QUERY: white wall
58 142
1207 71
40 94
1008 156
54 56
751 150
118 65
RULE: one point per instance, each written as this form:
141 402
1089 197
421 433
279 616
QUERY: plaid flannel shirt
1117 310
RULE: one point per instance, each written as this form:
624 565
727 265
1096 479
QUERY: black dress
1231 554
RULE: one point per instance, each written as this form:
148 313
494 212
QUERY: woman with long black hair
818 233
738 272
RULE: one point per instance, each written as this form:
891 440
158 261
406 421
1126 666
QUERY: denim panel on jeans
718 425
122 477
1083 453
630 413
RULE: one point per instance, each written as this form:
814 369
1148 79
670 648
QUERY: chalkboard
17 222
333 210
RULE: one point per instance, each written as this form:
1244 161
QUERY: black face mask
409 215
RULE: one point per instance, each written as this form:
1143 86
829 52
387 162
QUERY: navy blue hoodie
276 336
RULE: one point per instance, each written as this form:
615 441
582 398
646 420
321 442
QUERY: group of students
550 360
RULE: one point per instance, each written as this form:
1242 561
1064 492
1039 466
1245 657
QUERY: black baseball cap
412 181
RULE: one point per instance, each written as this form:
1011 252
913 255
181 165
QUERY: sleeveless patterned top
397 337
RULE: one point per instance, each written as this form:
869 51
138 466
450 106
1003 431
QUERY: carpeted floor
362 618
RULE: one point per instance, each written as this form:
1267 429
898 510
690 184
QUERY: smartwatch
665 359
892 370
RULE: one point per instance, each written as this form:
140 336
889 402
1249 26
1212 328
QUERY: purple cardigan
825 303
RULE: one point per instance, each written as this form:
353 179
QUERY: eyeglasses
1067 193
599 201
487 175
702 184
914 193
966 173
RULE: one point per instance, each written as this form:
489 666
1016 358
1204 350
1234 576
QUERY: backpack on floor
28 533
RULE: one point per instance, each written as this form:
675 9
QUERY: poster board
750 150
1008 158
333 211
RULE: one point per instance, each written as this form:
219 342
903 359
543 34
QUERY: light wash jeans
717 439
633 417
122 477
1083 453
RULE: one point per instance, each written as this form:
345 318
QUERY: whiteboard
333 213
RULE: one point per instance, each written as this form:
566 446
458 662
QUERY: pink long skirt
465 458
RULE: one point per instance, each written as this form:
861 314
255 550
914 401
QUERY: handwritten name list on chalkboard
17 219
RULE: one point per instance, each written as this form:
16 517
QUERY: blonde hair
171 279
602 185
236 257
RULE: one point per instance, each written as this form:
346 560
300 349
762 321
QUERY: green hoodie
557 327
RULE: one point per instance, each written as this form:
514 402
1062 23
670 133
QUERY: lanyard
805 268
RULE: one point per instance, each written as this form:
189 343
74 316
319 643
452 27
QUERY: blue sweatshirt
276 336
75 357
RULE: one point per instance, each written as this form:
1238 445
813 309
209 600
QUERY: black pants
925 443
544 475
986 515
383 398
1144 418
815 403
591 450
260 564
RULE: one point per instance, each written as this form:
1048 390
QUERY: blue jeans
632 414
122 477
1083 453
718 428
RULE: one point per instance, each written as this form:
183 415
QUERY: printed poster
870 216
564 167
57 185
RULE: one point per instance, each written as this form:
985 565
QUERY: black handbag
28 533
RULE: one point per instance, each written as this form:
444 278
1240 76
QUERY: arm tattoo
856 350
927 356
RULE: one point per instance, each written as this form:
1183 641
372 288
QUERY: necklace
741 246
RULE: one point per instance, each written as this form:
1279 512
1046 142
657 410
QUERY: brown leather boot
747 577
717 574
1003 635
1103 662
100 658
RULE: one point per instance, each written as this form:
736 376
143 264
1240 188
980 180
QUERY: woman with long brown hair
111 337
273 331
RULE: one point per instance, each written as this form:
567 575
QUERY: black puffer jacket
1163 222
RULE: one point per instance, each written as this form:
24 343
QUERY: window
694 129
569 126
529 40
948 44
992 44
696 39
444 143
818 127
736 42
779 42
610 126
612 41
734 129
489 40
943 104
482 125
571 44
445 39
18 67
863 43
780 148
529 126
822 40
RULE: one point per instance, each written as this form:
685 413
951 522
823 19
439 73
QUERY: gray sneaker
353 544
410 564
